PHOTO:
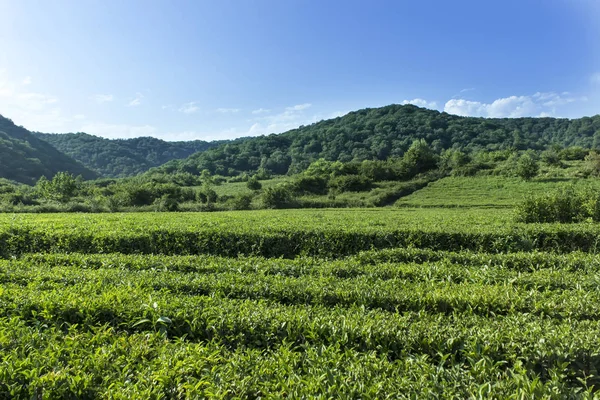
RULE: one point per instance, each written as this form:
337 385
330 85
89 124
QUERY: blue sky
181 70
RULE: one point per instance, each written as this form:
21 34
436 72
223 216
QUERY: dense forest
25 158
386 132
122 157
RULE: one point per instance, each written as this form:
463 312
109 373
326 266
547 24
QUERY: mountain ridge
25 158
380 133
118 158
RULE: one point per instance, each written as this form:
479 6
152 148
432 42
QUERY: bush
566 205
240 202
351 183
310 184
280 196
592 161
166 203
207 195
254 184
527 167
573 153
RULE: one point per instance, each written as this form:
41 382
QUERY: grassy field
487 191
351 303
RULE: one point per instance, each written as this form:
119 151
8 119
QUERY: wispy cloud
261 111
421 103
299 107
595 78
136 101
103 98
114 131
539 104
27 80
227 110
189 108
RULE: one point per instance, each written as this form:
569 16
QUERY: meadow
404 302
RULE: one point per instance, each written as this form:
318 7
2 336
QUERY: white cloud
595 78
299 107
189 108
545 104
103 98
35 111
421 103
467 90
261 111
114 131
227 110
27 80
136 101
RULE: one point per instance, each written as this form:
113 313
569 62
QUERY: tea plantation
386 303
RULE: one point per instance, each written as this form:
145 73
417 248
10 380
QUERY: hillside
25 158
380 133
122 157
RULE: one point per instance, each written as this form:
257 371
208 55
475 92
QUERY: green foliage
25 158
592 161
387 133
307 184
566 205
253 183
61 188
122 157
552 157
351 183
241 202
573 153
527 167
382 304
280 196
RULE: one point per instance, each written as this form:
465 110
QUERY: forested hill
122 157
25 158
379 133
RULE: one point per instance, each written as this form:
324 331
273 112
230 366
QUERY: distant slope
379 133
122 157
25 158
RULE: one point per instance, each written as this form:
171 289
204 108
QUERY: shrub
166 203
351 183
592 161
310 184
254 184
527 167
573 153
207 195
279 196
241 202
565 205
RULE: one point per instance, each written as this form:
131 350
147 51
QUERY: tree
61 188
527 167
254 184
279 196
592 161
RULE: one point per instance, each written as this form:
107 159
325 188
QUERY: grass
486 191
445 297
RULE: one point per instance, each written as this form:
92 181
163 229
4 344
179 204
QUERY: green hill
122 157
25 158
380 133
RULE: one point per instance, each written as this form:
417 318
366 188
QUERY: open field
298 303
487 191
